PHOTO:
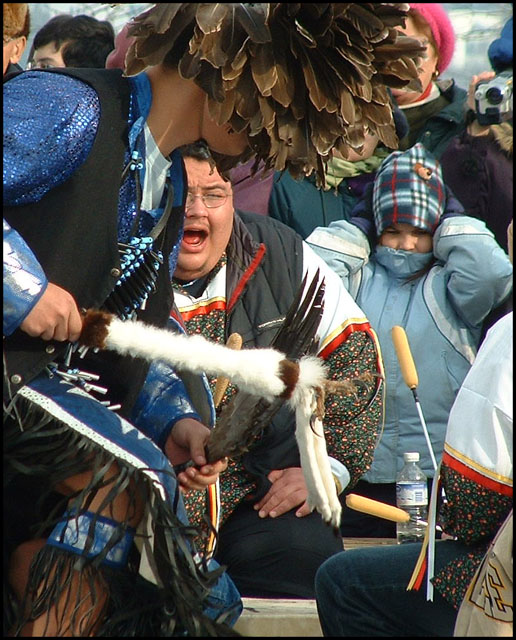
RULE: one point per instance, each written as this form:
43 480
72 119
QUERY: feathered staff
302 79
266 378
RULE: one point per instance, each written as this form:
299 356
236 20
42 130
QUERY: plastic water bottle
412 497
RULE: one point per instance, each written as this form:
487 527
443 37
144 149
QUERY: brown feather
347 106
212 50
246 102
221 111
263 67
157 19
210 16
234 66
283 89
253 17
320 66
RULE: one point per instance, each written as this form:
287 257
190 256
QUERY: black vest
72 231
257 316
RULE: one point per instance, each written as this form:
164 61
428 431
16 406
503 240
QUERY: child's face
406 237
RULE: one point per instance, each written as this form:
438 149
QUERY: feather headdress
302 79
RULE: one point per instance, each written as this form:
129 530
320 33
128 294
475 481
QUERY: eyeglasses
38 65
209 200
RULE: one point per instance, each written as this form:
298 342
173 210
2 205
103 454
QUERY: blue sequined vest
81 217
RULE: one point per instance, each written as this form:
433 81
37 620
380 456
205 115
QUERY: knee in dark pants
275 557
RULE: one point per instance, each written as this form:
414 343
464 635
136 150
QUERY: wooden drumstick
375 508
234 342
408 368
409 373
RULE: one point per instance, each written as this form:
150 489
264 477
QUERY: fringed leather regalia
67 410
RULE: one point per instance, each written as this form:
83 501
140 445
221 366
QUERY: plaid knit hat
409 188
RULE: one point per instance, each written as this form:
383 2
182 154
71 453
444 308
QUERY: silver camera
493 99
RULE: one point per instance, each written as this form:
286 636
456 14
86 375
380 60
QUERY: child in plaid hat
410 257
409 189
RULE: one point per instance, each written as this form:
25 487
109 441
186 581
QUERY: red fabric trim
177 317
420 575
476 476
338 340
425 93
204 310
244 279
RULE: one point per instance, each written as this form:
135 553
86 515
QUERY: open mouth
194 237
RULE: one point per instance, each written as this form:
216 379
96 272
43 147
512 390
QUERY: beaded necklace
139 260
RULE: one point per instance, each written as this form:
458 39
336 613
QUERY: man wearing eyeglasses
239 272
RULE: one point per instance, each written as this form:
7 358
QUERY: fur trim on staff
266 379
261 372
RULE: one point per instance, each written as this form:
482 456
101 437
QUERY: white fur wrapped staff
260 372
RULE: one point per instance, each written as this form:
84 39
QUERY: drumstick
234 342
409 373
408 368
375 508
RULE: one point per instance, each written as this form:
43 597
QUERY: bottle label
412 494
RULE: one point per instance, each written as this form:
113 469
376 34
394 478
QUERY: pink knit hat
441 27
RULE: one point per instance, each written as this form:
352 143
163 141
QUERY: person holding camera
477 164
435 114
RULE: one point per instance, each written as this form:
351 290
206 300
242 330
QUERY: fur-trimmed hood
503 134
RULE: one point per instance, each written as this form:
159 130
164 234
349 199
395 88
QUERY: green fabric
417 117
338 169
441 126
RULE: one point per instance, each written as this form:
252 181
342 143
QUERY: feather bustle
273 57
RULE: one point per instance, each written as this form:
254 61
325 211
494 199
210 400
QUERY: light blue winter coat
442 314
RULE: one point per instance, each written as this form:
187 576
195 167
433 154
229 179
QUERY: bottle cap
411 456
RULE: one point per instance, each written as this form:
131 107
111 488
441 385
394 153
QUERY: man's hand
186 442
55 316
287 492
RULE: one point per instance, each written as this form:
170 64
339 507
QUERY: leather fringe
39 446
